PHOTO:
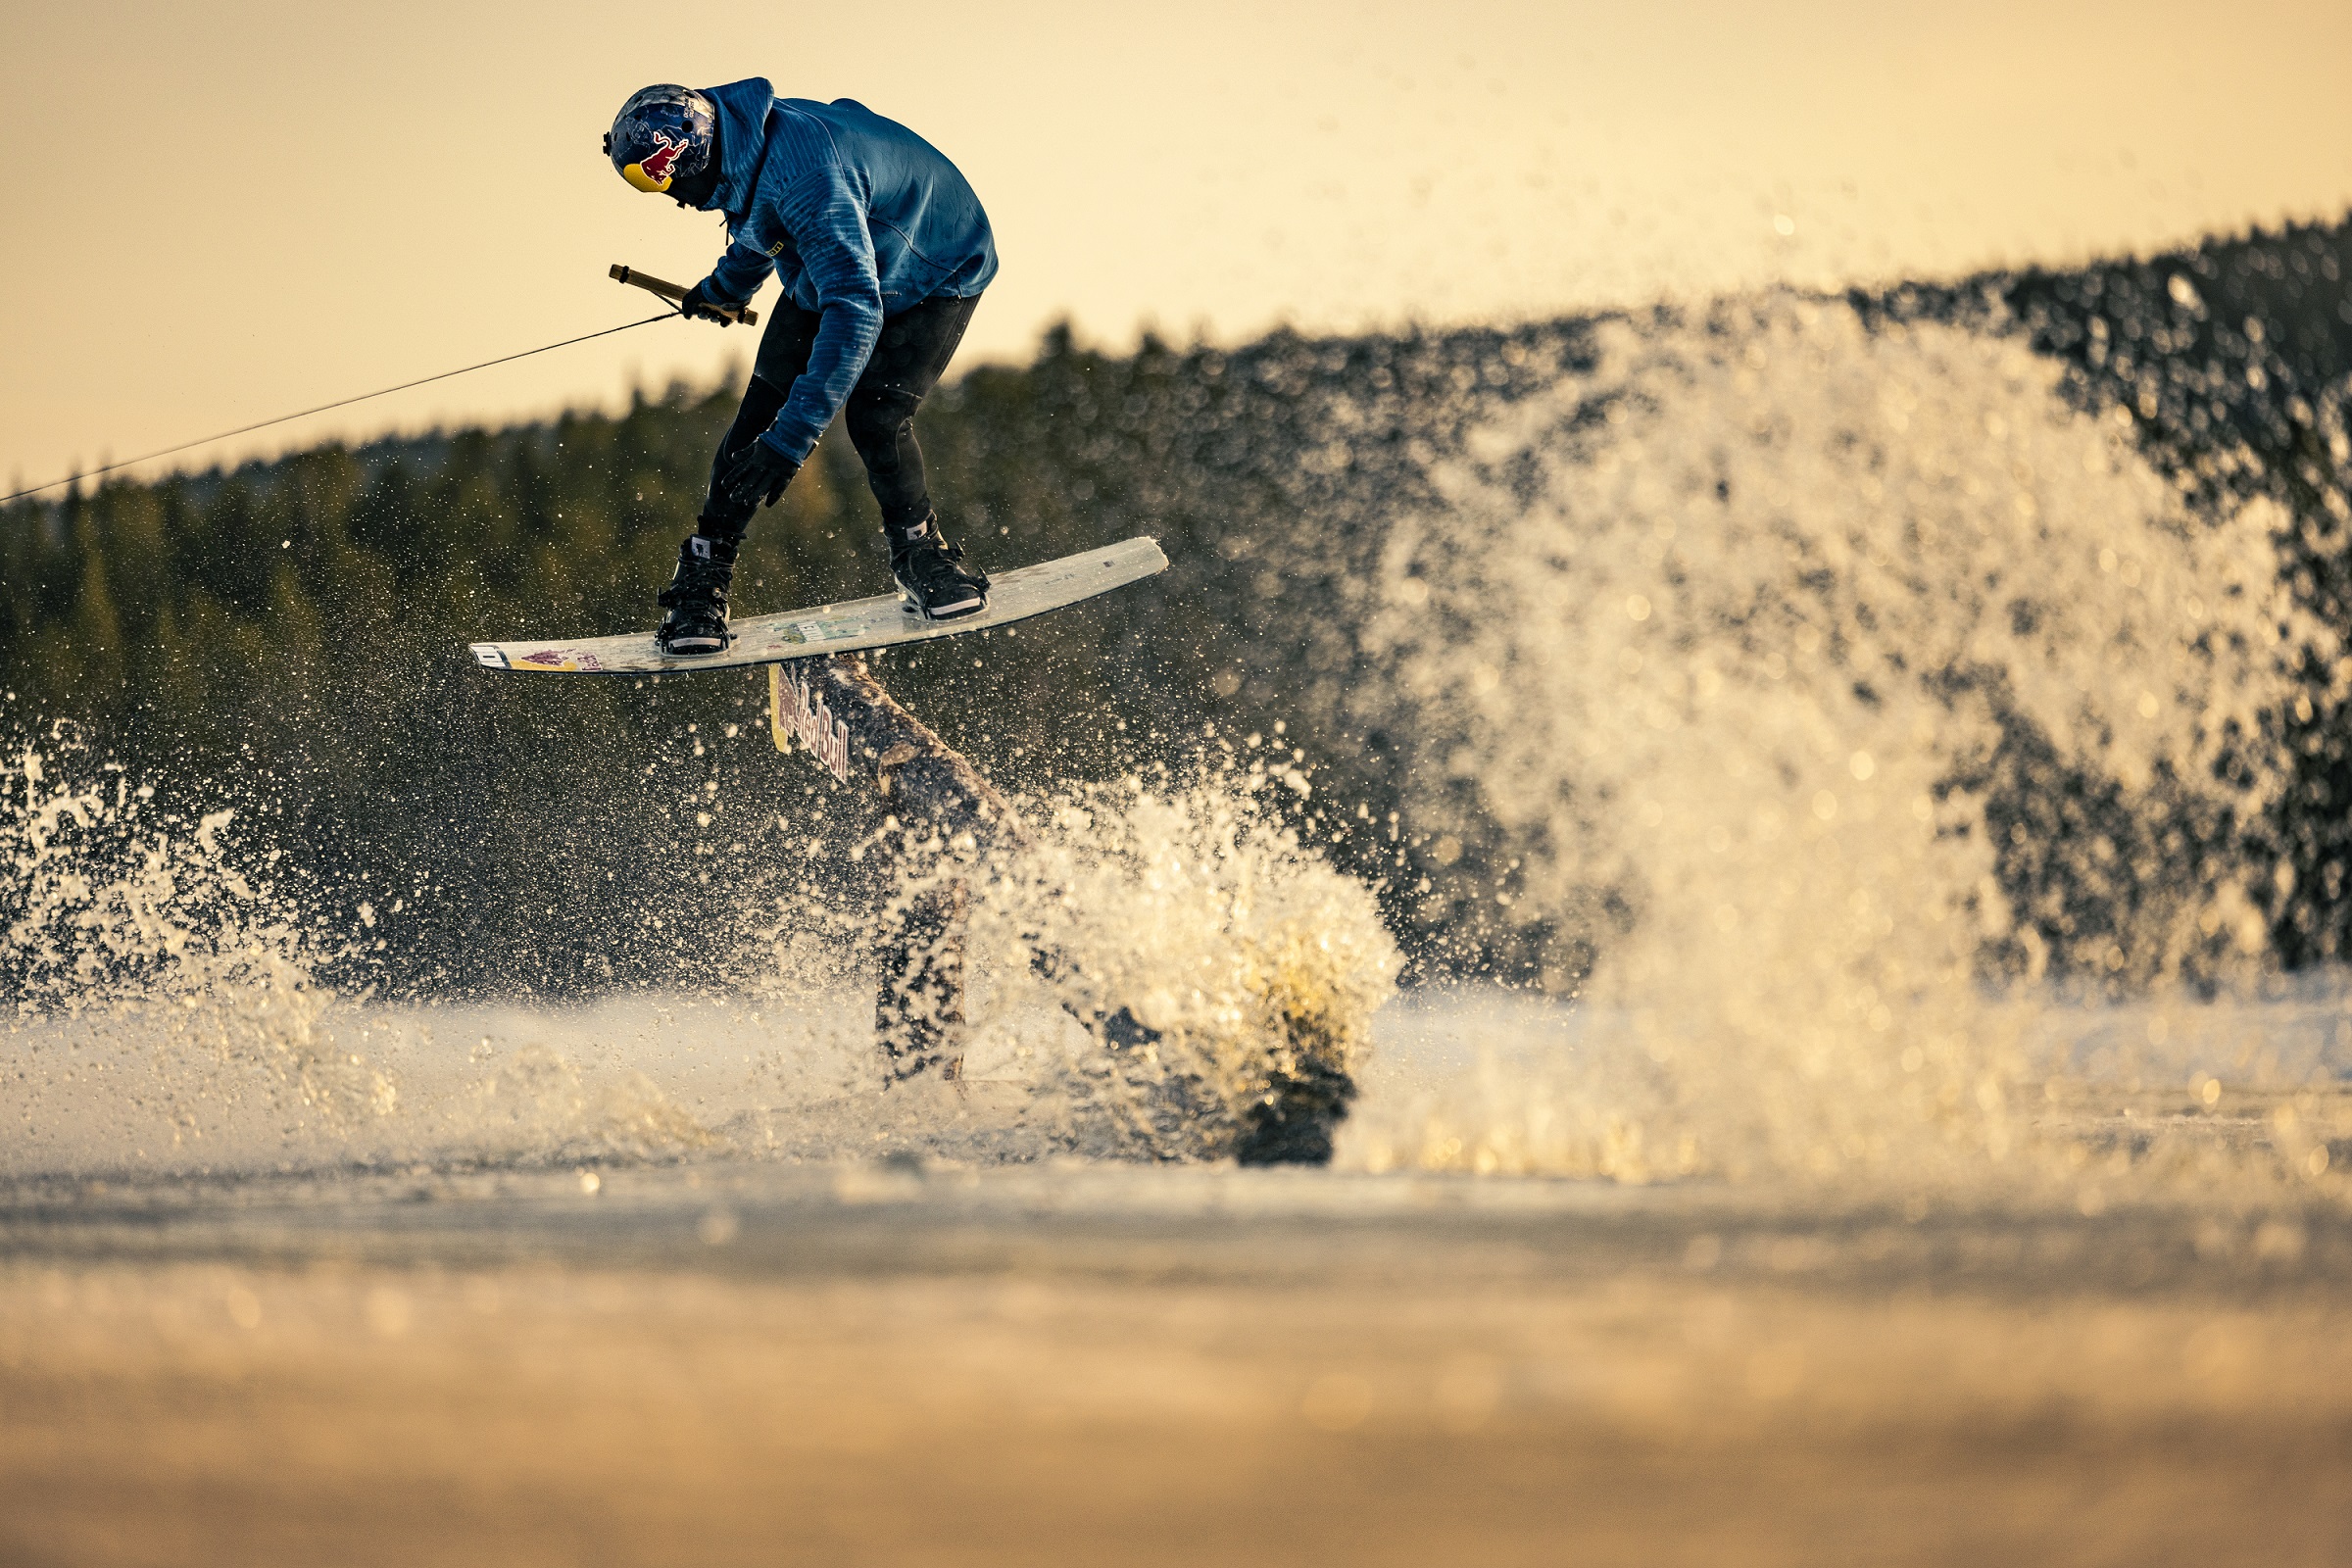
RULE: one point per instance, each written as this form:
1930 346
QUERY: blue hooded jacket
856 216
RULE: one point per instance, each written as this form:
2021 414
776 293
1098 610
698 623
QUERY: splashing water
1739 636
1253 967
1766 642
159 985
167 1013
138 928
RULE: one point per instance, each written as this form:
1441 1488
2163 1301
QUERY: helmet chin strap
692 193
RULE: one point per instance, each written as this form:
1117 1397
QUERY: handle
674 292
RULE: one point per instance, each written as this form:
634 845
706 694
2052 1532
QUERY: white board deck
843 629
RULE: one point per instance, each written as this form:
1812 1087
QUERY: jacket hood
742 137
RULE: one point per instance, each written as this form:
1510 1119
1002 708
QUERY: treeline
292 634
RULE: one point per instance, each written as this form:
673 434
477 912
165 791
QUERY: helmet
662 135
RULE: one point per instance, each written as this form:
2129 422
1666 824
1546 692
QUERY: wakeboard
845 628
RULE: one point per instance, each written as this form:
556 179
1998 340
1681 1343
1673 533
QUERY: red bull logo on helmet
652 172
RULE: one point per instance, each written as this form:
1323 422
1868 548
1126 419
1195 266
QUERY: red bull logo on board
797 712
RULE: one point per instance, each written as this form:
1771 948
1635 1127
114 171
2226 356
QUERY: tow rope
343 403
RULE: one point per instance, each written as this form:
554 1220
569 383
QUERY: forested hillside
291 636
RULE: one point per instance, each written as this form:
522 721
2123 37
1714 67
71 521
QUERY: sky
223 213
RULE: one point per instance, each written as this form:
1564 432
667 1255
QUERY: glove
757 476
699 306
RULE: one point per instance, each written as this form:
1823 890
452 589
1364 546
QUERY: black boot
931 573
697 596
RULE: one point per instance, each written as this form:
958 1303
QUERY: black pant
908 361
